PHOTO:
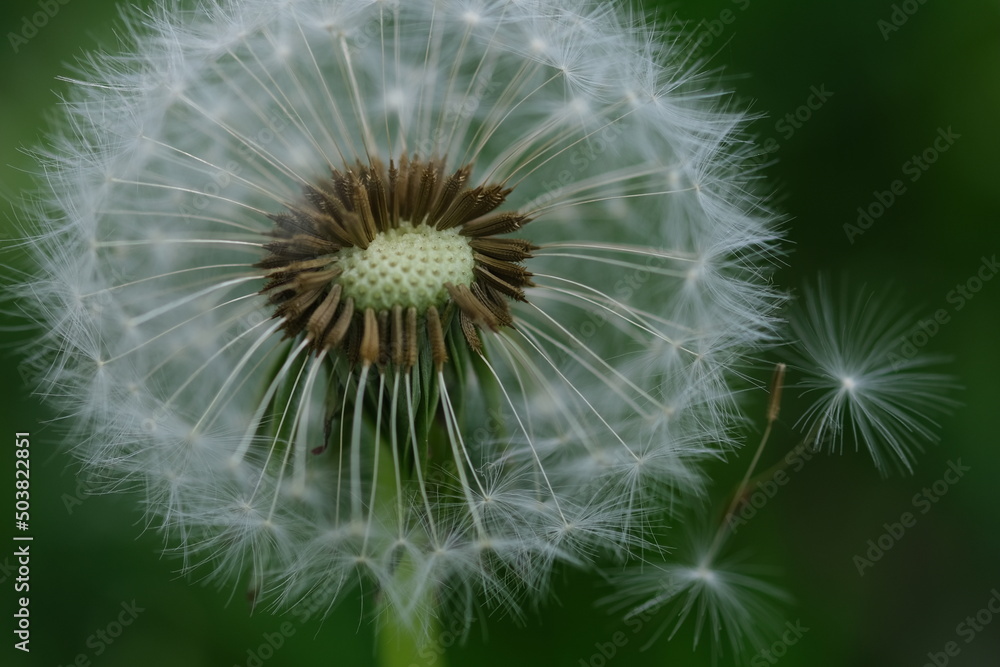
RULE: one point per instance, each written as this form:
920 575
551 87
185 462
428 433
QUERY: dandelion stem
783 464
808 443
408 628
401 645
772 415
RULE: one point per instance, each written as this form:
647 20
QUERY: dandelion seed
727 601
425 296
848 351
860 381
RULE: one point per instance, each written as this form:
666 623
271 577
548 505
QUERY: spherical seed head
408 266
199 328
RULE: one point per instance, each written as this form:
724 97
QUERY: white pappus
425 295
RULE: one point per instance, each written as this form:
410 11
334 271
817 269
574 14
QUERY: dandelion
425 297
860 379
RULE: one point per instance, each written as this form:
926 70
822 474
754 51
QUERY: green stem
412 640
724 527
402 644
774 405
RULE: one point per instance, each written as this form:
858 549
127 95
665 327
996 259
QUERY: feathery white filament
505 445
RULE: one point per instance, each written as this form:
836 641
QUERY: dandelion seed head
423 297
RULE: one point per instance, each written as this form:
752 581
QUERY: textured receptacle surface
409 266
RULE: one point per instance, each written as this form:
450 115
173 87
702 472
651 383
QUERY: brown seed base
349 210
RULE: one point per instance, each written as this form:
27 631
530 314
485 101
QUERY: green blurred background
889 91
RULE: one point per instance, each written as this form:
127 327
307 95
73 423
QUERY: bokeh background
893 75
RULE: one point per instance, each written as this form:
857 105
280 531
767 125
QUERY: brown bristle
353 207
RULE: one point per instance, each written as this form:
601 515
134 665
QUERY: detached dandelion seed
726 602
847 350
426 297
859 380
